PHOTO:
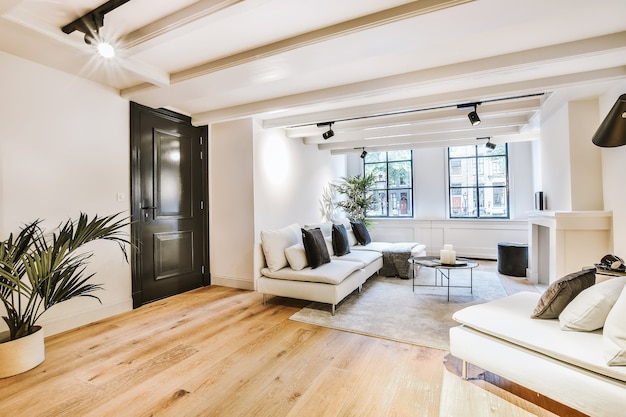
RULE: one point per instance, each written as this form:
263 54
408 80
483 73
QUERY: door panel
168 204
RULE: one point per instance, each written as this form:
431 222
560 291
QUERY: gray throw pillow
341 244
361 233
561 292
315 247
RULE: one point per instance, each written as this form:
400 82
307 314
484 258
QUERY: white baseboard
66 322
232 282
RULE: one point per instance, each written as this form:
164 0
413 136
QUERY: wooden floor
218 351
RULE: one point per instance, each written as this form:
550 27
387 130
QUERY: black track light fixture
329 133
489 145
363 154
90 23
472 115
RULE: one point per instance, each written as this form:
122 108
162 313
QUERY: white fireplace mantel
561 242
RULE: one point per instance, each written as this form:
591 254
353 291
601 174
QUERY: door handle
148 208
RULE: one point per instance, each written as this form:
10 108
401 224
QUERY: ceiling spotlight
363 154
472 116
490 145
90 23
329 133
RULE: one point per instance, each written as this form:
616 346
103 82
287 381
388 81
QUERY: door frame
135 187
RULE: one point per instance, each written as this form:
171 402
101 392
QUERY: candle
452 257
443 256
447 247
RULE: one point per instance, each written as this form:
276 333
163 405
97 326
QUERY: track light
90 23
329 133
472 116
363 154
489 145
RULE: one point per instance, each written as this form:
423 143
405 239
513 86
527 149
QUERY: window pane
463 202
399 155
380 173
492 171
400 174
400 203
464 173
493 202
460 151
499 150
375 157
380 208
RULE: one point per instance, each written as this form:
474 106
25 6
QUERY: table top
434 262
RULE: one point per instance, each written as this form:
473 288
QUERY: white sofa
329 283
567 366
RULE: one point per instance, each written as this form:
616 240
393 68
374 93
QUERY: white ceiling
302 62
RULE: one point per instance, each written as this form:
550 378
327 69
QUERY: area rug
389 308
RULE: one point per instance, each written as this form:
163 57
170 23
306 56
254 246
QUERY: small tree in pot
358 194
38 271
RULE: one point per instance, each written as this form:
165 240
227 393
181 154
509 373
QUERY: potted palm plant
38 271
358 196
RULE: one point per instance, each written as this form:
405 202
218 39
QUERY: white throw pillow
588 311
296 256
614 334
325 227
275 242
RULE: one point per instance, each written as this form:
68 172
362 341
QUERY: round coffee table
444 271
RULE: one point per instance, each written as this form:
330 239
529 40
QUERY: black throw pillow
341 245
315 247
361 233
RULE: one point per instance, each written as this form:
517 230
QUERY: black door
168 204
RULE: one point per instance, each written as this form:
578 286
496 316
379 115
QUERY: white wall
585 157
231 203
555 161
614 173
64 148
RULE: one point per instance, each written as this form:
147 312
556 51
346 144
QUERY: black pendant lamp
612 131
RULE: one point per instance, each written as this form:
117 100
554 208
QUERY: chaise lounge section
566 355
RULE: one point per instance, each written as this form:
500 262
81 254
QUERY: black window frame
480 161
388 206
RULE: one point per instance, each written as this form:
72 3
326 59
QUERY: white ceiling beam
438 143
182 21
395 14
441 136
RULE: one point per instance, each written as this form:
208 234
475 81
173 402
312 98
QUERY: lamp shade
612 131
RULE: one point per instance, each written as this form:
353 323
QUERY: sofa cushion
296 256
341 245
614 336
331 273
315 247
274 243
561 292
588 311
361 233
